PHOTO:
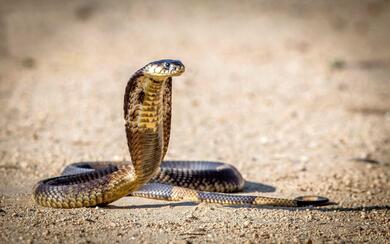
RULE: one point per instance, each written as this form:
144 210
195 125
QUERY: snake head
163 68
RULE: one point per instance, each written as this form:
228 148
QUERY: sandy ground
295 95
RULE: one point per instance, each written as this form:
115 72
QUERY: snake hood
163 68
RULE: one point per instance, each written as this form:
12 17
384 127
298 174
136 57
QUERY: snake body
147 114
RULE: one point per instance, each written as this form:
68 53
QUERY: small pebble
112 224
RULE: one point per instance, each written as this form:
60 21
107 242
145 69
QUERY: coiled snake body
147 113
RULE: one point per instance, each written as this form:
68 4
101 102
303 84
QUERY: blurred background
257 67
296 94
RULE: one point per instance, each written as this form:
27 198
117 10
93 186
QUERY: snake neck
144 120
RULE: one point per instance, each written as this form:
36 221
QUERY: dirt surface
295 95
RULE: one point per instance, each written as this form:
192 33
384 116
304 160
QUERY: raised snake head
163 68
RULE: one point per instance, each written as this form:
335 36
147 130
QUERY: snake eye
166 65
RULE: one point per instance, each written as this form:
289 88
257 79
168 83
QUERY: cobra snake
147 114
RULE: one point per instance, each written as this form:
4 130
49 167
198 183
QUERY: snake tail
176 193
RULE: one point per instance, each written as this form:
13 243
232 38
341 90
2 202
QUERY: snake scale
147 114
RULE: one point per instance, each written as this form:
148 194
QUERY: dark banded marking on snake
147 114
